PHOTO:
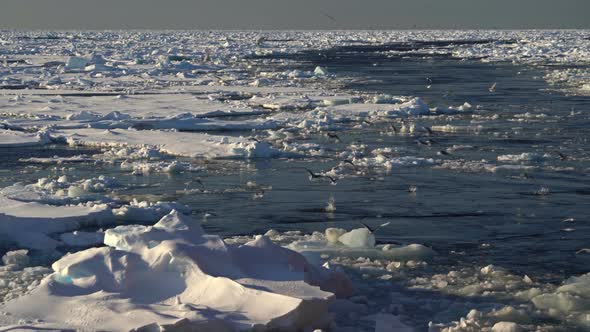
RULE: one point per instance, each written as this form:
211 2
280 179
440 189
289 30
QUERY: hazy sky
293 14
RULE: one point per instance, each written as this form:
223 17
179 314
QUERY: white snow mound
175 277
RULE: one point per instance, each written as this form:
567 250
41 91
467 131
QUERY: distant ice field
470 143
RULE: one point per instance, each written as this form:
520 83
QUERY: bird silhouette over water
329 16
493 87
393 128
334 137
562 156
349 162
314 176
428 142
191 181
428 130
372 230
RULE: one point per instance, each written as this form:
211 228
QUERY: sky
293 14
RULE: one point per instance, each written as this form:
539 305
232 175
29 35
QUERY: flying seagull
191 181
334 136
493 88
561 155
372 230
313 176
429 130
428 142
393 128
349 162
329 16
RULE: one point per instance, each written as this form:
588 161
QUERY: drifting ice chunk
76 63
18 258
333 234
28 224
387 323
506 327
358 238
320 71
10 138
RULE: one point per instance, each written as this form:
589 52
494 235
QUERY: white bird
314 176
372 230
583 251
493 88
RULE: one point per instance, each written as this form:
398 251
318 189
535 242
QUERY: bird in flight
393 128
372 230
334 136
429 130
349 162
561 155
493 88
314 176
329 16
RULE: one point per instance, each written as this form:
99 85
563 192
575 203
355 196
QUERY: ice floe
195 145
172 275
28 224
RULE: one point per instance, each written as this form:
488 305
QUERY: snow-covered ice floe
50 213
174 276
27 224
196 145
12 138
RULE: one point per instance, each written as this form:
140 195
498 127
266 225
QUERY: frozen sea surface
488 168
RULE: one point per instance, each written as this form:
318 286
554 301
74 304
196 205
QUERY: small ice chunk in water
272 233
506 327
76 191
75 62
388 322
320 71
333 234
358 238
18 258
488 269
